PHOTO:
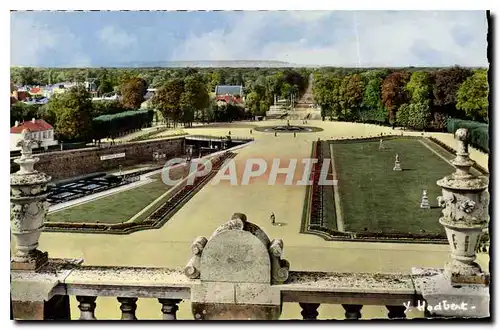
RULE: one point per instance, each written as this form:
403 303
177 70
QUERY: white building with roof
40 130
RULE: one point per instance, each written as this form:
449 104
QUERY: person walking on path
250 132
273 219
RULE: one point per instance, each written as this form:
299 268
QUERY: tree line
418 99
182 96
110 80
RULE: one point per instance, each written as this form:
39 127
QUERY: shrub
479 135
115 124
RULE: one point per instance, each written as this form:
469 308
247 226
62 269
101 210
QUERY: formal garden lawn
376 199
115 208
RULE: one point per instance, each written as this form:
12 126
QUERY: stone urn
28 208
465 202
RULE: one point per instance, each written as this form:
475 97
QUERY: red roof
37 126
228 99
35 90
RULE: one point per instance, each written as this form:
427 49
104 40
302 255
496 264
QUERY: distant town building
20 95
234 90
40 130
229 94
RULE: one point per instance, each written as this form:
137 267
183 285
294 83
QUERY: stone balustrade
44 290
239 273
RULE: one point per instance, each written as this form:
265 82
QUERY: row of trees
179 100
421 99
183 95
111 79
187 99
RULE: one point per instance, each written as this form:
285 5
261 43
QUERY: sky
333 38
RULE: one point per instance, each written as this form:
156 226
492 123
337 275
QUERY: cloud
36 43
337 38
115 38
382 38
307 16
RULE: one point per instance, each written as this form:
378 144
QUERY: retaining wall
72 163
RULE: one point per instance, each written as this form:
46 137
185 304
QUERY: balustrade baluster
169 308
128 307
396 312
352 312
309 311
87 307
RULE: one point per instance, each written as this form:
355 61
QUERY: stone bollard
28 208
237 267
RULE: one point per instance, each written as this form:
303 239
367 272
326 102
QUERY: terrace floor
169 246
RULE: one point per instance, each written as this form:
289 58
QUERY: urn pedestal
465 202
28 208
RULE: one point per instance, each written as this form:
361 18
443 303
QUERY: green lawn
116 208
375 198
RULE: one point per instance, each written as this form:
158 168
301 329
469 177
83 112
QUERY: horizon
246 67
349 39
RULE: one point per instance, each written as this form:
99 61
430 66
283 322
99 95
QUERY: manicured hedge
115 124
479 135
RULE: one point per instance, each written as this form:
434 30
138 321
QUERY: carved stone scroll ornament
279 267
192 269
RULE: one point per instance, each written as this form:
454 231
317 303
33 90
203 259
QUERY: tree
286 90
107 107
73 112
372 106
45 113
20 112
253 103
472 96
194 98
403 116
373 81
25 76
446 84
326 93
104 83
215 79
419 87
167 100
132 92
414 115
394 93
351 95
